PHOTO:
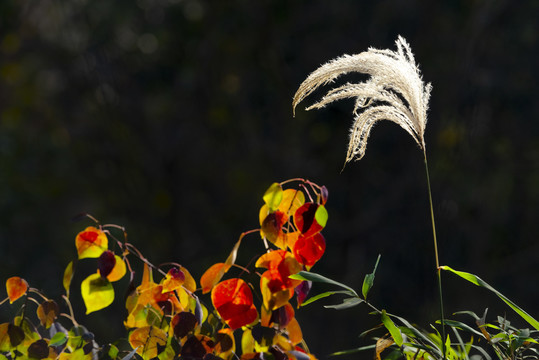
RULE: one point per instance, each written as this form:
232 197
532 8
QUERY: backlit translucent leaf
310 218
292 200
369 280
233 301
97 293
47 312
272 226
68 276
474 279
212 276
173 280
393 330
273 196
91 243
148 340
189 283
16 287
58 339
294 331
308 250
118 271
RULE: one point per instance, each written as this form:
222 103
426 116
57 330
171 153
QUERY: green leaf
479 282
353 351
323 295
347 303
58 339
321 216
310 276
273 196
393 329
97 293
369 280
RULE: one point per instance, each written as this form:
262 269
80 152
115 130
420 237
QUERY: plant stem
438 270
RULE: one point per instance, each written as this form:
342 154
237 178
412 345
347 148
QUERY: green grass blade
479 282
346 304
323 295
353 351
310 276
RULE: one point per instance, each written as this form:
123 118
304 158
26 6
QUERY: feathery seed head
395 91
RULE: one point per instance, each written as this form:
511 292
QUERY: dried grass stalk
395 91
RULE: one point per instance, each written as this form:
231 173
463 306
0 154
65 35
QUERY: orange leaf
294 331
272 225
47 312
91 243
233 301
16 287
212 276
118 271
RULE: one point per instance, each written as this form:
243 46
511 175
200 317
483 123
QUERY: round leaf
91 243
16 287
233 301
273 196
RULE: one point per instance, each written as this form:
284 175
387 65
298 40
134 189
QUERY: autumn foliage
168 315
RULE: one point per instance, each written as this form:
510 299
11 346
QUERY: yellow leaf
147 341
189 283
97 293
292 200
68 276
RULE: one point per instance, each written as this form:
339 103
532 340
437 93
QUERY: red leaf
308 250
233 301
305 219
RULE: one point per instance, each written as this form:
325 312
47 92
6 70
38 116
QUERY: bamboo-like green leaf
393 329
323 295
310 276
347 303
353 351
474 279
369 280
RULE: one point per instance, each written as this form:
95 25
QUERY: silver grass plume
395 91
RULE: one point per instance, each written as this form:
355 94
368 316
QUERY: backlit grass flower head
395 91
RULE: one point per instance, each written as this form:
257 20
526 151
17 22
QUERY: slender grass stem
438 270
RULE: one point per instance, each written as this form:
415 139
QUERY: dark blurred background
171 118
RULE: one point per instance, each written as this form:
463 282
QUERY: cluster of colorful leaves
290 228
165 318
